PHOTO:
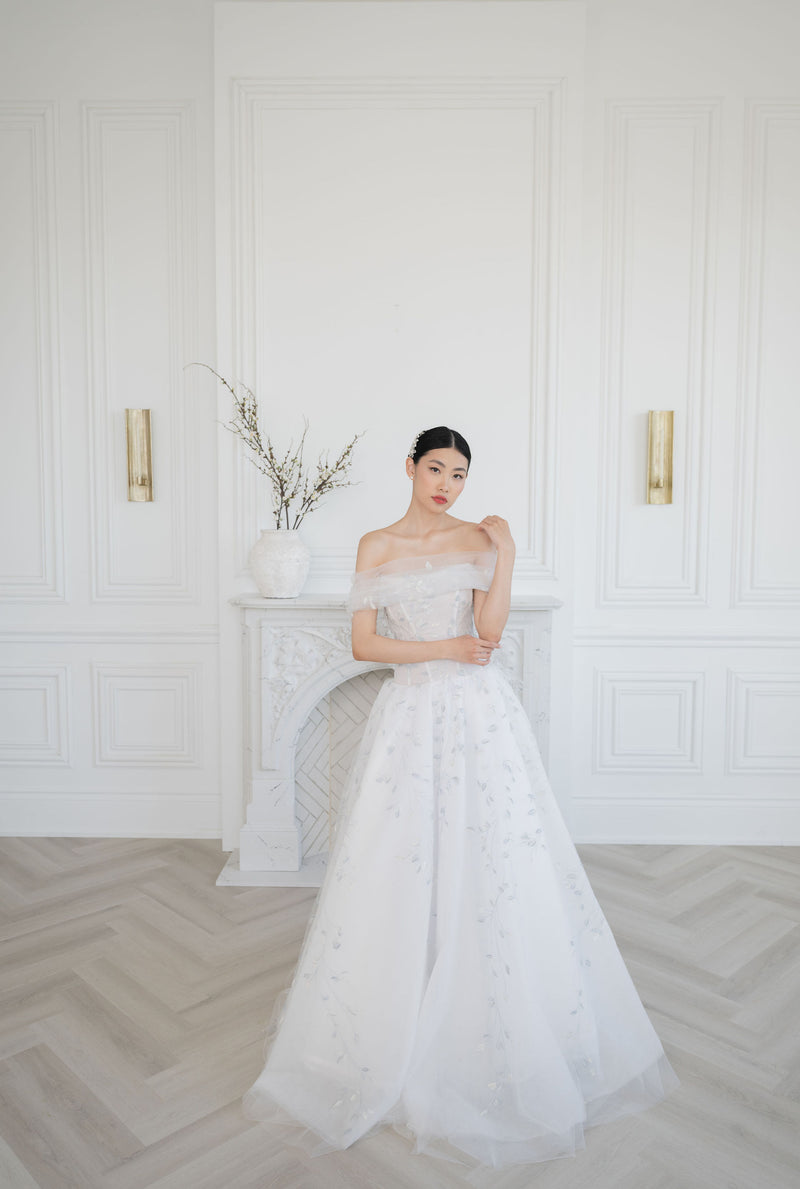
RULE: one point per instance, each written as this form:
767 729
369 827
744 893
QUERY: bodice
425 598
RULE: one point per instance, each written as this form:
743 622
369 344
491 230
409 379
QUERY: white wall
687 643
407 262
398 203
109 695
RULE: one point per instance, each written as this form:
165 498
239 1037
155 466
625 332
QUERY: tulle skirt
458 979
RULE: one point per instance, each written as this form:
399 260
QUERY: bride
458 979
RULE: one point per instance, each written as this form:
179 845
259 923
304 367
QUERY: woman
458 979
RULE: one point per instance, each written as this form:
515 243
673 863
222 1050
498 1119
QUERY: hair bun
439 437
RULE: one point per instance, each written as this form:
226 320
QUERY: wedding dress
458 979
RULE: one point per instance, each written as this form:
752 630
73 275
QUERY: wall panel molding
257 99
37 377
640 134
148 715
768 297
667 706
110 634
675 638
34 715
145 254
765 702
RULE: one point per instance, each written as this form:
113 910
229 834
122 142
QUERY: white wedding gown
458 979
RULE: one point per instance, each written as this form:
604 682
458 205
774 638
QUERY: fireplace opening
326 749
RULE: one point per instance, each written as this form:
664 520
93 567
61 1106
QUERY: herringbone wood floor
135 993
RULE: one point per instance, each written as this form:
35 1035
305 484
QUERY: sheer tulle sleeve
419 578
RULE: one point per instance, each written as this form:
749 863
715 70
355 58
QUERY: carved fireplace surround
295 653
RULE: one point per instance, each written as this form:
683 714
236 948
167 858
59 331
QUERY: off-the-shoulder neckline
421 558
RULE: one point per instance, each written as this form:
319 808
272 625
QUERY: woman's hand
499 533
471 650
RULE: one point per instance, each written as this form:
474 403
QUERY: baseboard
688 821
109 815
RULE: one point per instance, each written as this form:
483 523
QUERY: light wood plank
134 995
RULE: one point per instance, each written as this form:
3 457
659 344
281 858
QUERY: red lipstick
440 499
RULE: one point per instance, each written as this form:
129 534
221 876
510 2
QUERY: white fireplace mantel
295 652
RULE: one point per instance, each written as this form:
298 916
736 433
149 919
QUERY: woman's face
439 477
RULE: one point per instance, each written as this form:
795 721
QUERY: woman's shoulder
373 548
384 545
472 537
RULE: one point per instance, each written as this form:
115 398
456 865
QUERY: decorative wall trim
686 821
38 122
749 587
598 637
174 439
613 754
692 428
51 683
544 99
181 683
65 813
152 633
743 753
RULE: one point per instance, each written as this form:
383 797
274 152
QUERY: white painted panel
769 421
763 721
24 717
102 306
139 719
410 297
405 302
773 722
651 726
20 461
660 195
140 204
30 528
734 726
647 721
34 712
690 269
148 714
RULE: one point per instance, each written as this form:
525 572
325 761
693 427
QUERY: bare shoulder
472 536
373 549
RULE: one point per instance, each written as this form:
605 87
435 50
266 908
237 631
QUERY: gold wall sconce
140 459
659 456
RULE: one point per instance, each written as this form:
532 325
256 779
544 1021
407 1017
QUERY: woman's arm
369 646
490 608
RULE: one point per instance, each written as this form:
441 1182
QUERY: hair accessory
414 445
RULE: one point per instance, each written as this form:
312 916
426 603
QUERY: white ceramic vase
279 562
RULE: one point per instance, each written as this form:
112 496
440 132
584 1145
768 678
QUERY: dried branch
292 488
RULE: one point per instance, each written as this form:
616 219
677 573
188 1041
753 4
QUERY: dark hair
439 438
